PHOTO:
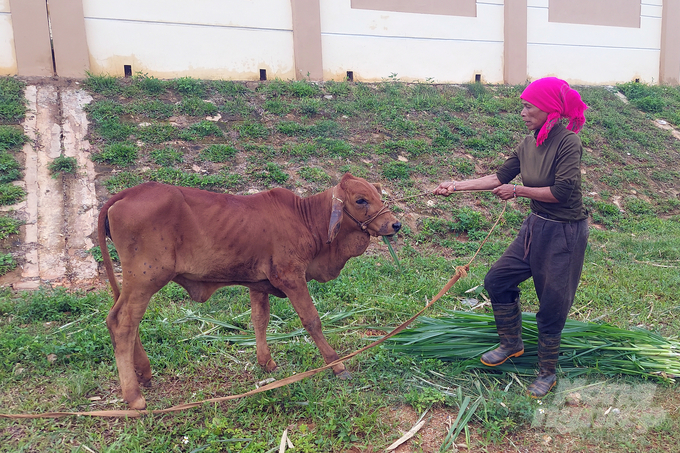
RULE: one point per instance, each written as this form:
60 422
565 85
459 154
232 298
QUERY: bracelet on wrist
514 191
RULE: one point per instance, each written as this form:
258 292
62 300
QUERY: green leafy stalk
586 347
392 252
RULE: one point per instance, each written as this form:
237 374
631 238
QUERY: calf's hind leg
142 364
123 324
259 314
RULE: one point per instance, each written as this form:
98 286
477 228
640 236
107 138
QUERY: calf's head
361 201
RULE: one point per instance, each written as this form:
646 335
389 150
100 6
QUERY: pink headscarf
558 100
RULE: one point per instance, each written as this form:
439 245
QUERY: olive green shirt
555 164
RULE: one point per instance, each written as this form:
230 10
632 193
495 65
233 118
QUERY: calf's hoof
343 375
138 404
144 381
269 366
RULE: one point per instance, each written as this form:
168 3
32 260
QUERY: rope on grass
461 271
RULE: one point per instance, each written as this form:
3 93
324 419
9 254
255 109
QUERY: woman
551 243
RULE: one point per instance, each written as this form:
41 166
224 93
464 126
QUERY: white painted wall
227 39
8 61
590 54
234 39
377 44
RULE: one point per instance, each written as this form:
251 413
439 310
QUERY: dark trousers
550 252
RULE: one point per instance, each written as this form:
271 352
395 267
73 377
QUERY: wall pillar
307 39
515 45
669 65
31 38
71 55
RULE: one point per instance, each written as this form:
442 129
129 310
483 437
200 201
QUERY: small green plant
277 106
337 88
117 154
201 130
272 173
166 157
121 181
96 252
150 108
103 84
149 84
606 213
12 101
10 169
650 104
396 170
190 87
106 109
325 129
7 263
463 166
63 164
309 106
291 128
218 153
504 413
237 108
194 106
638 207
335 147
229 87
9 226
11 194
156 133
411 147
468 220
177 177
479 147
314 174
301 150
11 137
302 88
422 398
113 130
635 90
253 130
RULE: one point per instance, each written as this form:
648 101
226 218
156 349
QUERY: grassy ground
55 353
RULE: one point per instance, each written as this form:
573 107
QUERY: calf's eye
361 201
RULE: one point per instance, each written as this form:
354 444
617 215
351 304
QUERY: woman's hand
506 191
445 188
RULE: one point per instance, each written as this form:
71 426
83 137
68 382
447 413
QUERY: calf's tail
102 232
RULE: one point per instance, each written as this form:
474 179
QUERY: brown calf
272 242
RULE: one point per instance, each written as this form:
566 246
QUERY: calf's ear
336 219
378 186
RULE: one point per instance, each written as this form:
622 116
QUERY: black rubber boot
509 326
548 354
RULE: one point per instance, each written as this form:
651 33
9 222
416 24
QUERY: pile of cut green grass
462 337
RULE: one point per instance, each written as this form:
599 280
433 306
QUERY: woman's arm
503 191
508 191
488 182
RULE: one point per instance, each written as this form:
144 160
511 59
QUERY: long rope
430 193
461 271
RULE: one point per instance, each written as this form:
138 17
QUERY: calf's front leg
299 296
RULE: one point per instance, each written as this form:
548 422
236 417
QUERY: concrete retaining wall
446 41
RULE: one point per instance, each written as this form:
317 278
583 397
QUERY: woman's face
532 116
